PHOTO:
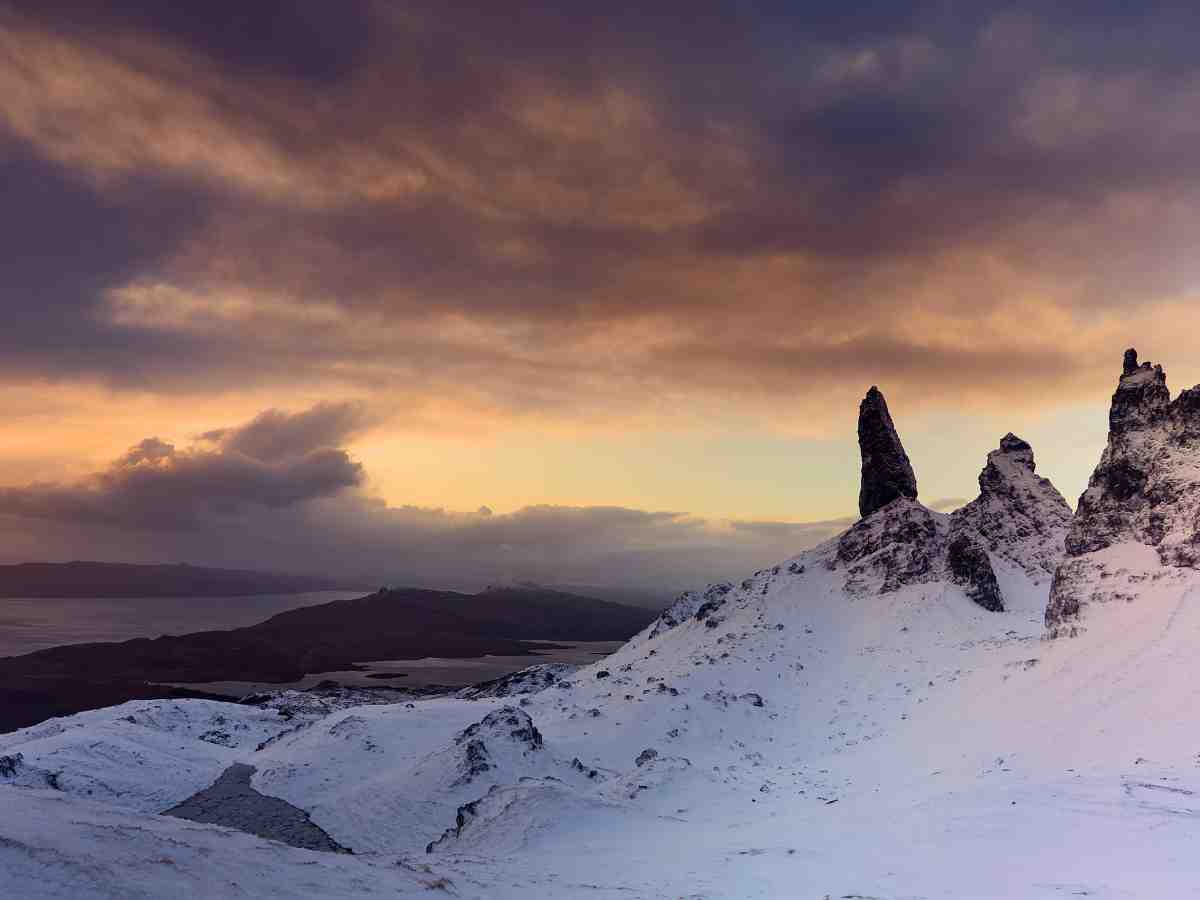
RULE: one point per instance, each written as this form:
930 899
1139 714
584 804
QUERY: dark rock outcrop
645 756
904 544
508 723
10 764
1018 515
507 728
1145 490
465 814
530 680
970 567
886 472
693 604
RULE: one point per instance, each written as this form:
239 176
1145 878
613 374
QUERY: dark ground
232 802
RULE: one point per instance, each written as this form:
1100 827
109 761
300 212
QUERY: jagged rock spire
1131 362
886 471
1143 434
1145 490
1018 516
1141 397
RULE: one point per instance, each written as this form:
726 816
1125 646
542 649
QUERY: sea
27 625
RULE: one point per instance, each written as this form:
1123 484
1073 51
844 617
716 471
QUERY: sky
583 293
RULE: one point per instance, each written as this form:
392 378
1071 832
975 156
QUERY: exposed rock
1018 515
901 545
645 756
10 764
464 815
507 817
692 604
508 725
886 472
475 762
970 567
530 680
723 698
1145 490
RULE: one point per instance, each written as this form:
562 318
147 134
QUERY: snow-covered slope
53 846
849 723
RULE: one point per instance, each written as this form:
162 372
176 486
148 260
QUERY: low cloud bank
275 493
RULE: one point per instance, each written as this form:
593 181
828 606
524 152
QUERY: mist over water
27 625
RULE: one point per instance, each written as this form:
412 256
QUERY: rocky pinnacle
1145 490
886 471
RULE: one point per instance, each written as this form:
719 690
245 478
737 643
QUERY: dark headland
330 637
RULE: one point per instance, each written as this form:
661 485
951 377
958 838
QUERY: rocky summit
1018 515
1145 488
886 471
1139 519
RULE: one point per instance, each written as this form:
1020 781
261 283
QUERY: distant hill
389 624
100 579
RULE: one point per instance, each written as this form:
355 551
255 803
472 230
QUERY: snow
54 846
809 740
142 755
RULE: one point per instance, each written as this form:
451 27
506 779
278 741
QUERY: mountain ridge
851 722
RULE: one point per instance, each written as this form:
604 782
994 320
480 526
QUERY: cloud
156 486
610 215
274 494
275 434
808 532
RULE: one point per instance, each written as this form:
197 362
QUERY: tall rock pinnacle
886 471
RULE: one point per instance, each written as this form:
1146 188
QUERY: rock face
902 544
1018 515
474 749
1144 488
886 472
698 605
529 680
970 566
1145 491
897 542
